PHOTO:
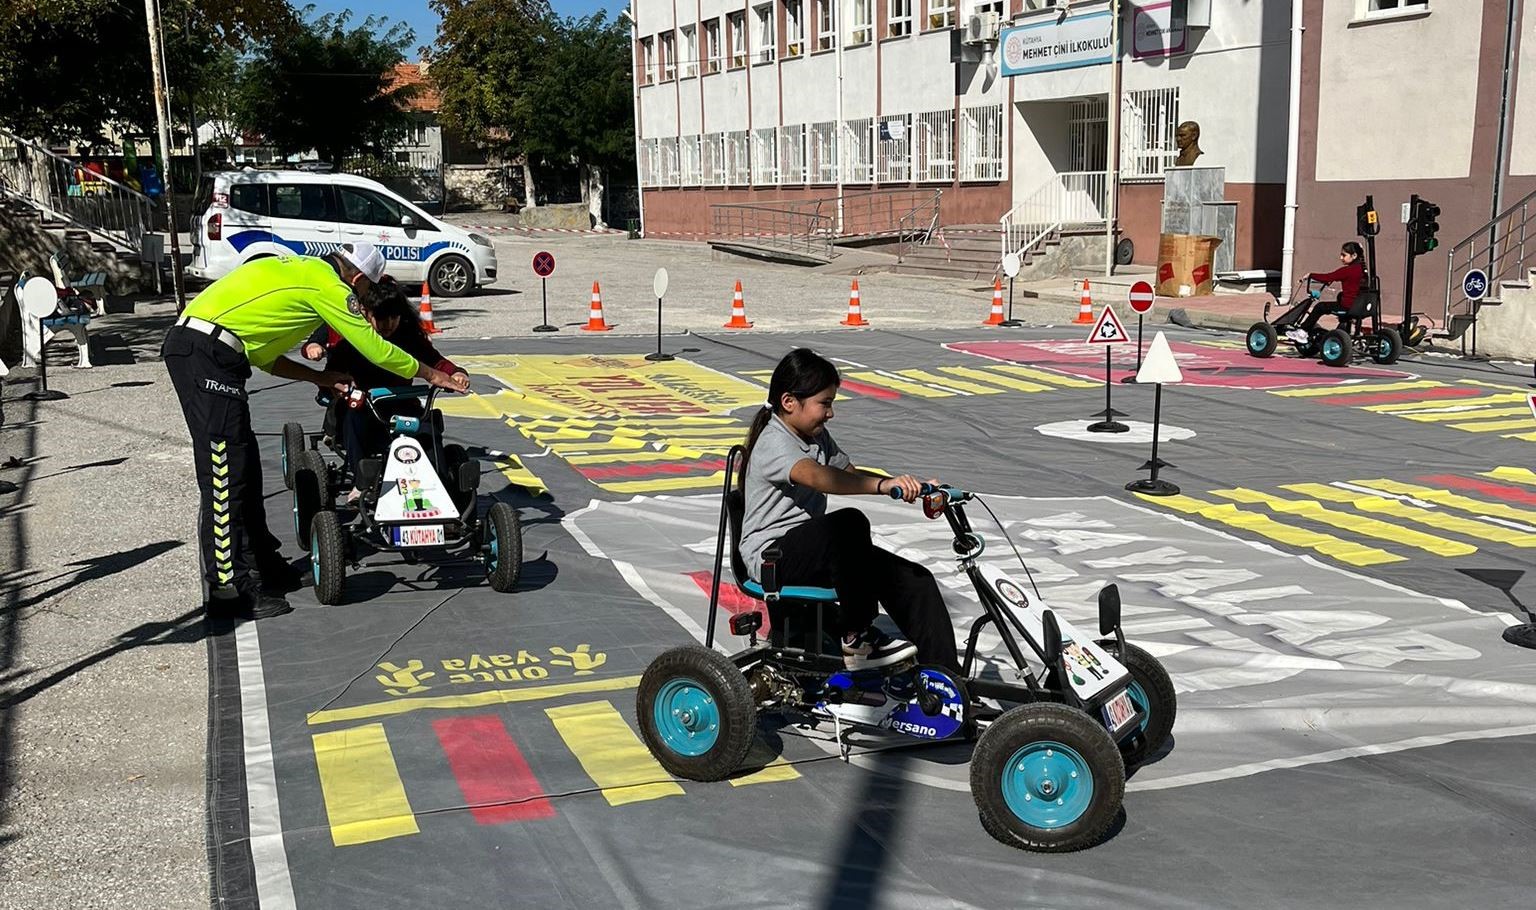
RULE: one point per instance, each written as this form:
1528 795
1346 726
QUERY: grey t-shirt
774 503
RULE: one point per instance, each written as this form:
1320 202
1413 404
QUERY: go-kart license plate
419 536
1119 711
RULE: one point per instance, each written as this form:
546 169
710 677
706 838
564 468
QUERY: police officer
252 317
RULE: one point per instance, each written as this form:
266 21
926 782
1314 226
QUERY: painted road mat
1328 591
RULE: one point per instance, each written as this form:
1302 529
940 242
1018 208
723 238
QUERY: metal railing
812 225
65 190
1070 199
1498 248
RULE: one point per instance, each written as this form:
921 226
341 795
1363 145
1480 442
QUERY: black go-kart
1336 346
1051 743
419 498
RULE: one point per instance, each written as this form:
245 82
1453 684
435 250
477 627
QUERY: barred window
858 147
689 152
667 165
823 152
982 142
765 156
893 155
934 146
712 170
1148 121
792 154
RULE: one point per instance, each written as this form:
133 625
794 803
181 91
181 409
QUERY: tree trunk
594 193
528 190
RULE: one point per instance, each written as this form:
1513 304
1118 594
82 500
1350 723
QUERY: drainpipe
837 132
1112 154
634 78
1503 143
1292 154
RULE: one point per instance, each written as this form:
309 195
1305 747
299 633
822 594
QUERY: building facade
777 100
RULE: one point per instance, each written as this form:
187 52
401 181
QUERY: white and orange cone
738 311
855 314
595 321
427 325
996 318
1085 307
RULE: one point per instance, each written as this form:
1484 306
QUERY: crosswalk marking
1461 412
1516 475
1069 382
1444 405
1492 426
900 385
364 798
1395 508
944 382
1007 382
1368 527
1454 500
1336 547
665 484
1328 391
611 754
775 771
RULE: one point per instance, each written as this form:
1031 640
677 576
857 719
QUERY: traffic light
1366 222
1423 224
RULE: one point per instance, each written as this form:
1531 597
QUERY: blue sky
424 21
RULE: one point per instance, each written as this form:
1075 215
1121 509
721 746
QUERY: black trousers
835 551
1320 310
209 378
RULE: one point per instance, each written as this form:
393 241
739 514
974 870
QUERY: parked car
250 214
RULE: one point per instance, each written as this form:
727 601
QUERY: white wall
1522 149
916 74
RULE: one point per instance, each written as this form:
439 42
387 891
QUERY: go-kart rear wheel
292 445
328 557
311 492
696 713
1336 348
503 531
1262 339
1152 693
1047 777
1386 345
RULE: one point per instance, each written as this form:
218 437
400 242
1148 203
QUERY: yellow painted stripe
1393 508
364 798
1515 475
1442 404
1368 527
626 457
1494 385
1492 426
611 754
1343 550
1465 414
898 385
1007 382
518 475
947 383
1454 500
1329 391
1527 437
472 699
664 484
1057 379
773 772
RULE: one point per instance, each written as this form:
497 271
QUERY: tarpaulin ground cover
1328 594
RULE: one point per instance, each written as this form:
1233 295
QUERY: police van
249 214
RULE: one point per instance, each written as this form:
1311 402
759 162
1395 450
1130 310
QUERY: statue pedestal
1194 202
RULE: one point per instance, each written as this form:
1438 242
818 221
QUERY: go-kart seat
735 507
1352 320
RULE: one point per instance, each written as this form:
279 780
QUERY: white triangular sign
1159 365
1108 329
1530 400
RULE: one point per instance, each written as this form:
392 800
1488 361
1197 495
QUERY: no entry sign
1141 297
544 264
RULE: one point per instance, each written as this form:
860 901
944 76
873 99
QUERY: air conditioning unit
982 28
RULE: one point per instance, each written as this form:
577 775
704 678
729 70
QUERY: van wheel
451 276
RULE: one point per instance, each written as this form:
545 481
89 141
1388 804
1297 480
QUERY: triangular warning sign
1529 399
1108 329
1159 365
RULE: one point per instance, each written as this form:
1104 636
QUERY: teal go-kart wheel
696 713
328 557
311 492
289 448
1047 777
1386 345
1152 693
503 537
1262 339
1336 348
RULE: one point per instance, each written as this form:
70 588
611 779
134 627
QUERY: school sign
1053 44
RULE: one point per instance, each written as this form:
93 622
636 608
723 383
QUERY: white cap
365 257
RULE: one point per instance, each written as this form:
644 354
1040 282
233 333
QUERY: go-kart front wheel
696 713
1262 339
328 557
311 492
1386 345
1152 693
289 449
1047 777
1336 348
503 531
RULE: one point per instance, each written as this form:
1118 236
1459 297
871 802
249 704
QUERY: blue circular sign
1475 284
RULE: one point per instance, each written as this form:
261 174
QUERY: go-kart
419 498
1051 744
1335 346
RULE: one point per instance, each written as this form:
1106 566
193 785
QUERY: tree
328 87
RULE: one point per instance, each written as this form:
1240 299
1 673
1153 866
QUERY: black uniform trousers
209 378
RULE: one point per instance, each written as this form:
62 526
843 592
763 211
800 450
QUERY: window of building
690 59
712 171
941 14
738 160
668 56
668 168
826 24
712 46
981 142
765 34
934 146
822 164
1395 6
794 28
893 153
792 154
863 30
858 148
765 156
736 26
1148 121
899 18
645 162
688 161
1087 135
991 6
647 61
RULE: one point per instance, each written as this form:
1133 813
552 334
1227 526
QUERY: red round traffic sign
1141 297
544 264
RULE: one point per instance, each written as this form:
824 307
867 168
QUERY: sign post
1141 298
38 301
544 266
1474 285
1011 263
659 286
1159 368
1108 332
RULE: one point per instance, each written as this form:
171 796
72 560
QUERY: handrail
66 190
1508 228
1074 197
812 225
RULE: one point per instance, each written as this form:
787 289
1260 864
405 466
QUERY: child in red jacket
1350 275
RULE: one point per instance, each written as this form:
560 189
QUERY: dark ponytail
801 374
1355 250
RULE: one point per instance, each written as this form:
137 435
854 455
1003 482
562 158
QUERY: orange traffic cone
595 321
1085 307
426 312
855 315
997 303
738 311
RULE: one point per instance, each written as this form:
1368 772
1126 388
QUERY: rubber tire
1267 336
1163 701
309 493
726 684
1033 723
453 456
508 527
1345 348
329 553
436 278
1394 346
293 443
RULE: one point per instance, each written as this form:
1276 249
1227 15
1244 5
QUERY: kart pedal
743 624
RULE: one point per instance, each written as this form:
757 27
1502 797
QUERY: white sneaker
873 648
1299 336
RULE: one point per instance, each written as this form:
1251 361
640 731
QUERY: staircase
964 251
64 195
1498 249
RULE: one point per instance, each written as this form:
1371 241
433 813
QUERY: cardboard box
1184 265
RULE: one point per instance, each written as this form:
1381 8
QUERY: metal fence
68 191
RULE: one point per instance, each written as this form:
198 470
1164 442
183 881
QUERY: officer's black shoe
246 606
279 577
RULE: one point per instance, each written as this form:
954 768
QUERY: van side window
360 206
249 197
304 201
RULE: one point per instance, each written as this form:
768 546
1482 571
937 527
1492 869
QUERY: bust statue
1188 139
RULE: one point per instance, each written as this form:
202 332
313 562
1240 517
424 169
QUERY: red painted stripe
492 773
872 391
731 598
1487 488
1450 391
651 469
